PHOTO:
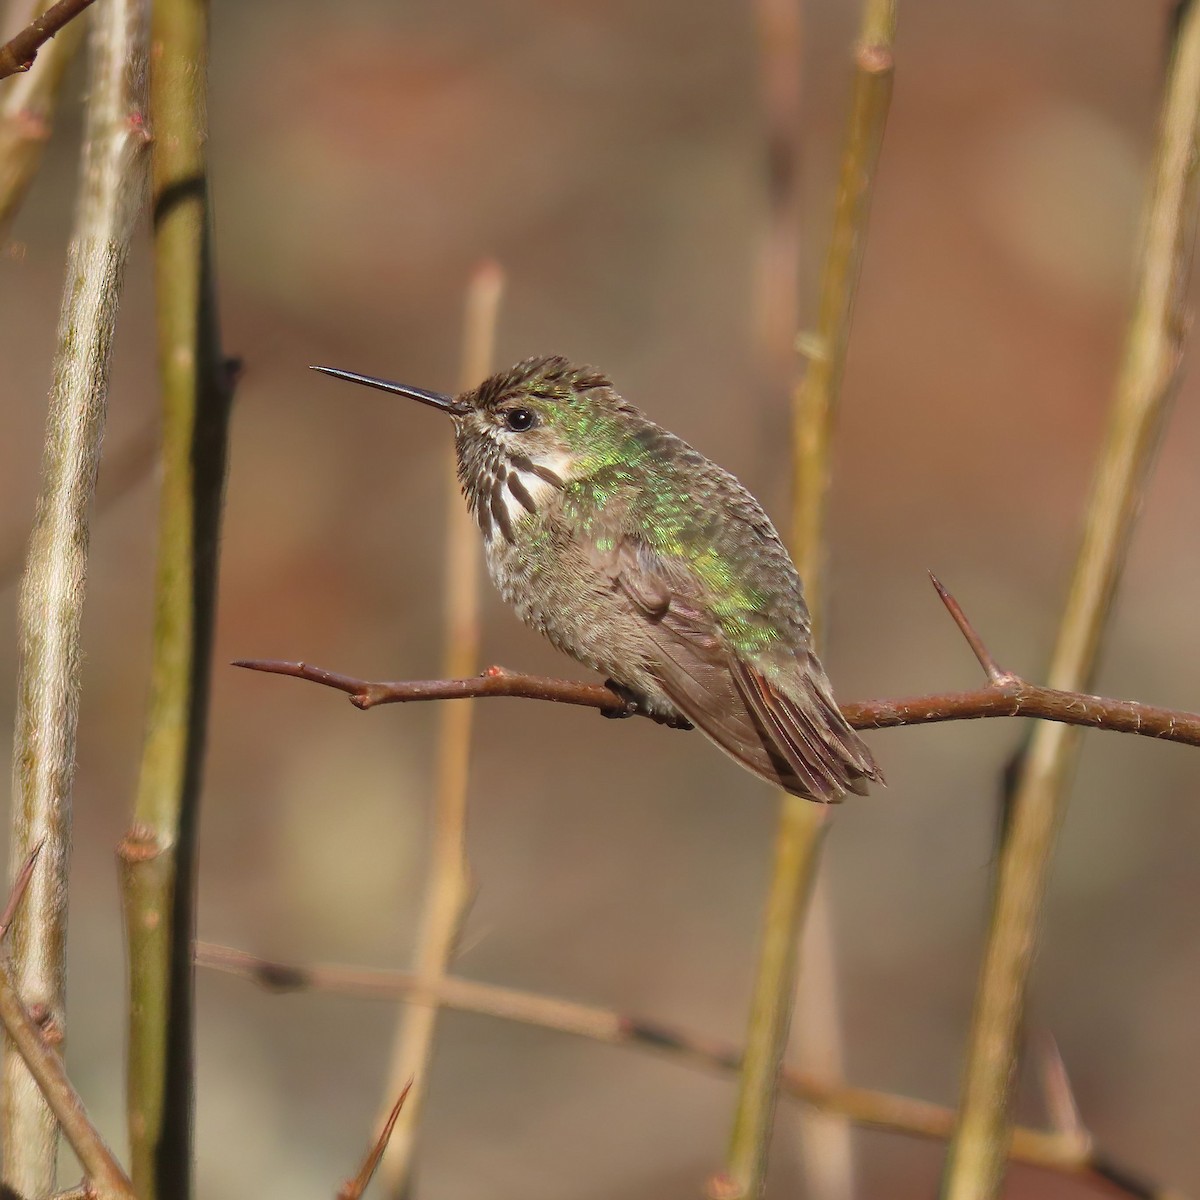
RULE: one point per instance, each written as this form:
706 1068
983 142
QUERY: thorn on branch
1061 1105
17 894
353 1189
994 673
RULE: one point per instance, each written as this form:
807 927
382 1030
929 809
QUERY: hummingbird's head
525 432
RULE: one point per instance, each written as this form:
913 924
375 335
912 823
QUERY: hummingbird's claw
635 705
631 706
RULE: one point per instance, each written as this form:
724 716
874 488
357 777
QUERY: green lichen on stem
976 1162
158 854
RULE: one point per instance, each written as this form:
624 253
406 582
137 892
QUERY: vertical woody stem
52 593
158 854
1146 383
802 824
449 886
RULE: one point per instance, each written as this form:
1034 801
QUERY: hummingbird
642 559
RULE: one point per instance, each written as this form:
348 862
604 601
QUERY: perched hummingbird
640 558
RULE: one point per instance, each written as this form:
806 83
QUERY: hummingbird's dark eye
520 419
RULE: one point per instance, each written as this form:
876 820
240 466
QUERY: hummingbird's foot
632 705
635 705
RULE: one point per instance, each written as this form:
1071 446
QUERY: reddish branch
30 1036
17 55
1004 695
353 1189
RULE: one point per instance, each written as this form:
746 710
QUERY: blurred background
366 155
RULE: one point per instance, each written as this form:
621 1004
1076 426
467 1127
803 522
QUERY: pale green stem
975 1166
158 854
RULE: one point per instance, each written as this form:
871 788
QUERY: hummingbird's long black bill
433 399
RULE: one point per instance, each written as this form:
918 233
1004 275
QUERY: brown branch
1065 1153
37 1051
353 1189
1006 695
27 107
44 1064
17 55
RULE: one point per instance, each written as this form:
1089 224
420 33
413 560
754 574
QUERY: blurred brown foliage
365 156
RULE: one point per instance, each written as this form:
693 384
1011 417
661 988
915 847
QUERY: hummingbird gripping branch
642 559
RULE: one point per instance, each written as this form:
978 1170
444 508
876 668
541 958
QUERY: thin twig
35 1048
158 853
1011 697
1052 1151
975 1166
448 888
27 107
353 1189
108 1180
801 825
52 593
18 53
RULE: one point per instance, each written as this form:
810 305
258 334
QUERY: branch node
874 59
140 844
722 1186
52 1031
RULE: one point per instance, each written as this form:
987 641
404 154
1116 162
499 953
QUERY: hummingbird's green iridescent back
639 557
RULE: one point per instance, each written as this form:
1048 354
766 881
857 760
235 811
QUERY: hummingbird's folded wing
798 742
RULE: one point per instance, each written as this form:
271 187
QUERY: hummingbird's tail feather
823 750
800 743
825 756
